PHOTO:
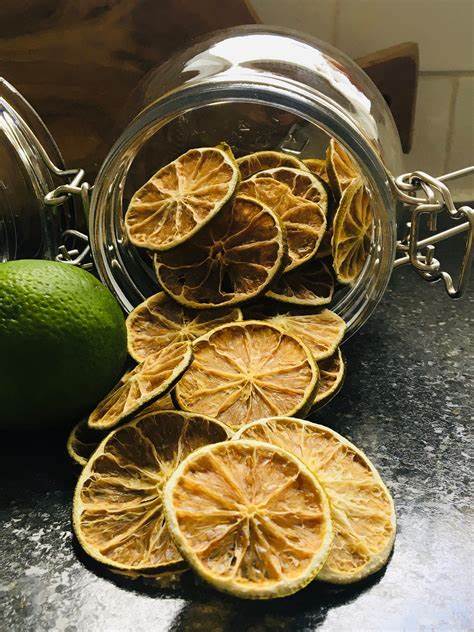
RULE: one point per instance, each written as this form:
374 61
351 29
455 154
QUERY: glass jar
255 88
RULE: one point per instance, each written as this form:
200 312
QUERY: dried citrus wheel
261 160
230 261
118 503
318 167
159 321
302 184
181 198
321 333
331 377
340 167
82 442
250 518
325 247
242 371
352 232
304 222
363 513
312 284
151 379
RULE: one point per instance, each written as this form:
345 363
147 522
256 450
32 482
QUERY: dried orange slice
150 380
312 284
250 518
118 503
352 232
302 184
242 371
321 333
261 160
159 321
318 167
340 167
331 376
181 198
304 222
233 259
363 513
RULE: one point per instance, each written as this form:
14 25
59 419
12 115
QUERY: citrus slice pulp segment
321 333
82 442
363 512
249 518
118 505
331 377
230 261
318 167
340 167
303 184
304 222
261 160
151 379
160 321
352 232
243 369
312 284
181 198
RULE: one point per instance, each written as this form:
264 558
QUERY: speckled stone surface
407 402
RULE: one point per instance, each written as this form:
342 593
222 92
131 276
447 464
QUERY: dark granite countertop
407 402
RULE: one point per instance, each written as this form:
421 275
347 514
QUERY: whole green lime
62 343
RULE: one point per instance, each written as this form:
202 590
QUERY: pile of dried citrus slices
196 458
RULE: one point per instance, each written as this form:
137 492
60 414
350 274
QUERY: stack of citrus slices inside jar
198 459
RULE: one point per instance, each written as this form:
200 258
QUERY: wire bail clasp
430 195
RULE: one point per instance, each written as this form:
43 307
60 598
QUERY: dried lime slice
352 232
233 259
118 503
312 284
304 222
181 198
261 160
82 442
250 518
302 184
331 376
318 167
341 169
160 321
242 371
321 332
149 381
362 509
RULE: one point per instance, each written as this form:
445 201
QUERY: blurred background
77 60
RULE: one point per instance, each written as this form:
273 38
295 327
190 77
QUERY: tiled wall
444 31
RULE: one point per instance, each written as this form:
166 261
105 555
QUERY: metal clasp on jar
430 196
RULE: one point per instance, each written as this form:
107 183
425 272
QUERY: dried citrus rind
244 370
261 160
363 512
118 503
149 381
233 259
331 376
181 198
340 167
352 232
312 284
250 518
302 184
160 321
82 442
321 333
304 222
